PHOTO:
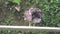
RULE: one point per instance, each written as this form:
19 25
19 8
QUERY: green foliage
17 1
50 9
25 32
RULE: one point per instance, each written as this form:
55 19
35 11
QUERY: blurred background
9 15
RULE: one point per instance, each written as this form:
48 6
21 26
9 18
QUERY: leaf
17 1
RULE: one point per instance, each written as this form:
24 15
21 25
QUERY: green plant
16 1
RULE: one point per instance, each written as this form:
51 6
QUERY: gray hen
33 15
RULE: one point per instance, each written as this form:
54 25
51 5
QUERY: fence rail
31 28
